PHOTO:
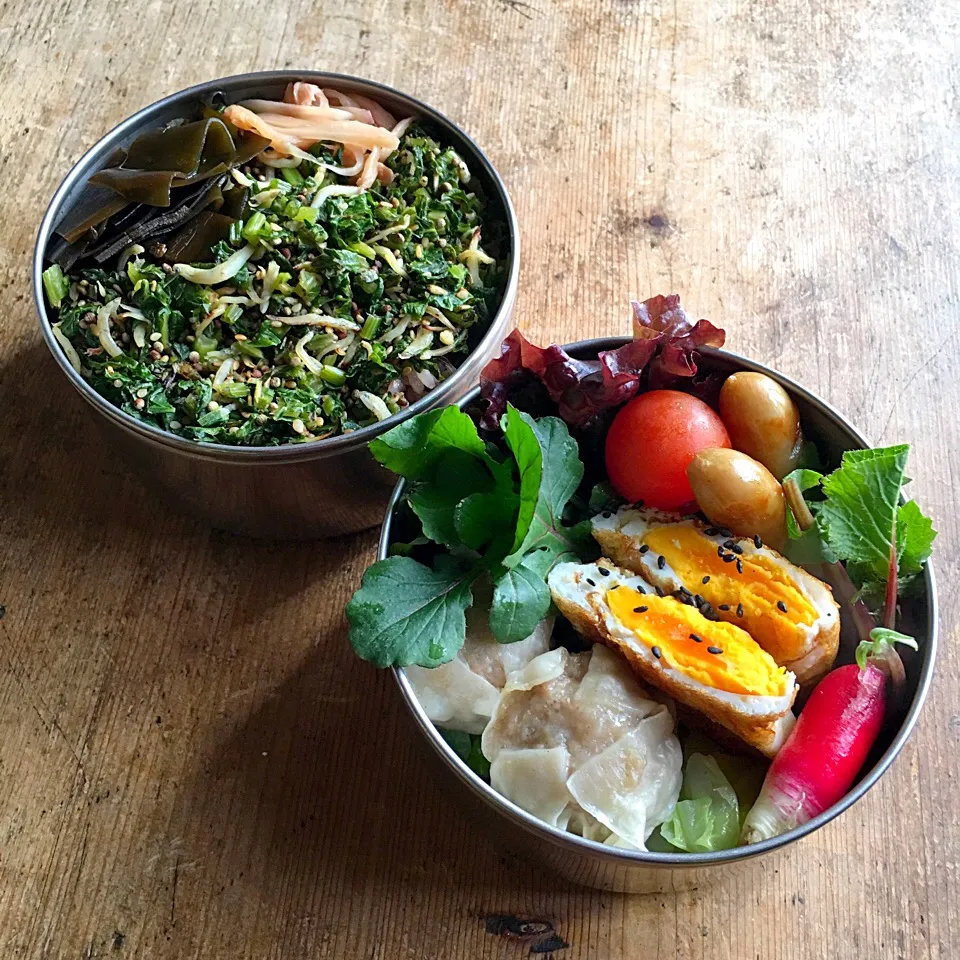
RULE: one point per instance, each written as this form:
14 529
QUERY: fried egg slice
789 612
714 668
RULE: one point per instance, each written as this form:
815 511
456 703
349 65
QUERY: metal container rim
84 167
626 858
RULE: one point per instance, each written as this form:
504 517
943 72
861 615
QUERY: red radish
830 742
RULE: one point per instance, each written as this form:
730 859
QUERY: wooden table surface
192 763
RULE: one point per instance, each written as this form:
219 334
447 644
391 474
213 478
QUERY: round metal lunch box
607 868
296 491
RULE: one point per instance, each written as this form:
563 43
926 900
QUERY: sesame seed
661 562
640 609
698 600
656 652
659 591
727 544
606 514
685 591
695 638
707 610
711 531
724 532
781 606
644 548
724 606
720 552
739 565
616 586
592 584
604 572
706 579
739 609
715 650
757 542
729 557
737 549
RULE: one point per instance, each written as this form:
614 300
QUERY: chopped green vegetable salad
325 308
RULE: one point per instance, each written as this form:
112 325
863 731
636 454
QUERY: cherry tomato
651 443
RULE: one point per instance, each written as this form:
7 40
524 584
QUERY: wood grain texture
192 763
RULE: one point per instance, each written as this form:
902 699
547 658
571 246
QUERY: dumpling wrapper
462 694
623 762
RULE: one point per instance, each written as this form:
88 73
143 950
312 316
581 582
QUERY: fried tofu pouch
789 612
715 669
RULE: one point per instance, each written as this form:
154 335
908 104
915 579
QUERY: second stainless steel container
586 862
295 491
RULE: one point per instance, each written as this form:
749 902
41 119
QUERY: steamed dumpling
462 694
576 741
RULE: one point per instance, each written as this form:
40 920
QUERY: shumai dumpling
462 694
578 742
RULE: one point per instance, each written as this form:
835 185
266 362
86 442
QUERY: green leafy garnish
860 520
707 816
406 613
467 748
498 513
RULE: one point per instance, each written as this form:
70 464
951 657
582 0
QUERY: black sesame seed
781 606
606 514
698 600
720 551
727 543
644 548
592 584
724 606
640 609
739 566
737 549
739 609
659 591
729 557
716 650
757 542
695 638
604 572
656 652
711 531
706 579
707 610
661 562
685 591
616 586
724 532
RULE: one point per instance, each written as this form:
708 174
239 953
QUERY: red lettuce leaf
666 346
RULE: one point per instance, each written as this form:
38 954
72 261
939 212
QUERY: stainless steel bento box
295 491
608 868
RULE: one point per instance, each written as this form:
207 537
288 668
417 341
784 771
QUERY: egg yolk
764 599
689 643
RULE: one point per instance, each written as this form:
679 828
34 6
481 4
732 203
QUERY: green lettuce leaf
707 816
